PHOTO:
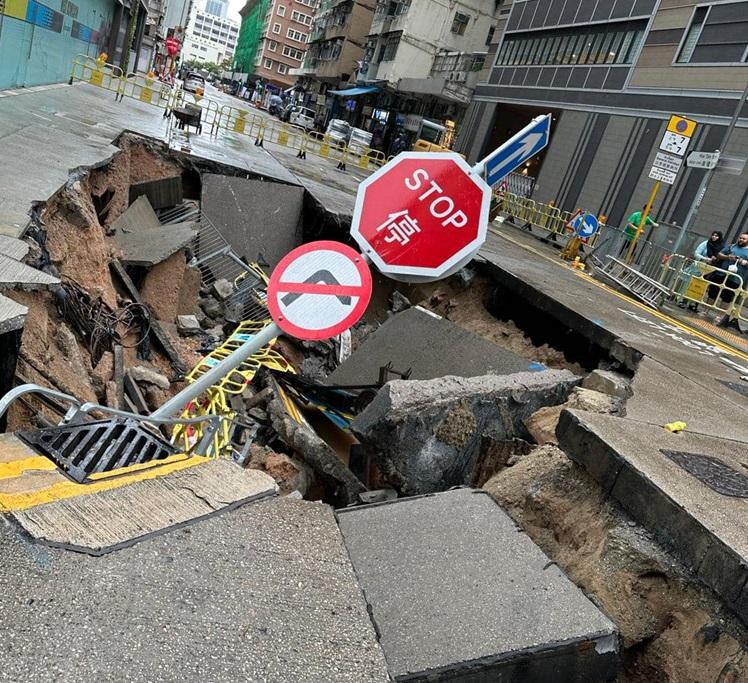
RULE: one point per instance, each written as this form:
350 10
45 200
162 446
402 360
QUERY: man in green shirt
632 225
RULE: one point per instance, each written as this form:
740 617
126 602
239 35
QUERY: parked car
302 117
338 131
193 81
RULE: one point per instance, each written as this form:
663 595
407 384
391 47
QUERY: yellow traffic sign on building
681 126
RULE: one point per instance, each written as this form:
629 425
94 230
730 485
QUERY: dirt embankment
674 630
73 243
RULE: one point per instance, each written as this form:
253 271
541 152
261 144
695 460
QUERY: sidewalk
47 132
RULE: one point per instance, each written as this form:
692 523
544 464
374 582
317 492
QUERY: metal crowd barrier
687 281
102 75
542 216
148 90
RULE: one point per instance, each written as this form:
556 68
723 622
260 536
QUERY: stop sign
423 214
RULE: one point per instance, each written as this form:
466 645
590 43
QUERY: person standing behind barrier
632 226
706 253
735 260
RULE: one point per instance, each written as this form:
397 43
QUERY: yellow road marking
103 481
657 314
15 468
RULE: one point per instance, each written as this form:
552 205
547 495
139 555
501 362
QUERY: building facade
210 37
423 58
612 72
274 42
337 44
38 42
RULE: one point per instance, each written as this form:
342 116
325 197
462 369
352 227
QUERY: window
607 44
293 53
276 28
301 18
390 49
489 37
268 63
308 3
296 35
282 68
281 11
273 46
718 34
692 37
460 23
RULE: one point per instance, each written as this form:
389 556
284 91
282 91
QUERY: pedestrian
632 227
377 137
399 145
733 273
709 249
704 255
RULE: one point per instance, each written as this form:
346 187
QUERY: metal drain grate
741 389
100 446
712 472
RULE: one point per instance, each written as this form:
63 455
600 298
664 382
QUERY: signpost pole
177 402
643 220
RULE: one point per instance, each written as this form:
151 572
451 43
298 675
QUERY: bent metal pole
177 402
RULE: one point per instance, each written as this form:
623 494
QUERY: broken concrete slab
162 193
256 217
429 346
152 246
128 514
13 248
427 436
138 216
265 592
142 374
458 593
17 275
188 325
12 315
689 490
608 382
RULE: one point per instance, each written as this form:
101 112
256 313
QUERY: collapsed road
615 547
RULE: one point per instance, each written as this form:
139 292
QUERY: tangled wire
98 324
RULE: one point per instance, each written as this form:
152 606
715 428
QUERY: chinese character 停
400 226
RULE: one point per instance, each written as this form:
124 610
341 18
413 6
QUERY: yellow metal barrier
237 120
96 72
217 400
543 216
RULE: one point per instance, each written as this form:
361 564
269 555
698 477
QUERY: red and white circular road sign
319 290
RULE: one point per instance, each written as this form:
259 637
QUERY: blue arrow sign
515 151
585 225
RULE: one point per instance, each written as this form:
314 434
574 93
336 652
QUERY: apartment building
612 72
336 46
210 36
275 41
422 58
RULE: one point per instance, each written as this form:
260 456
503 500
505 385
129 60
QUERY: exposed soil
74 225
673 630
466 306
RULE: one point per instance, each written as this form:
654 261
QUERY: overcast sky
234 7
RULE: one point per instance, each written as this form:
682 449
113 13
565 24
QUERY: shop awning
350 92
